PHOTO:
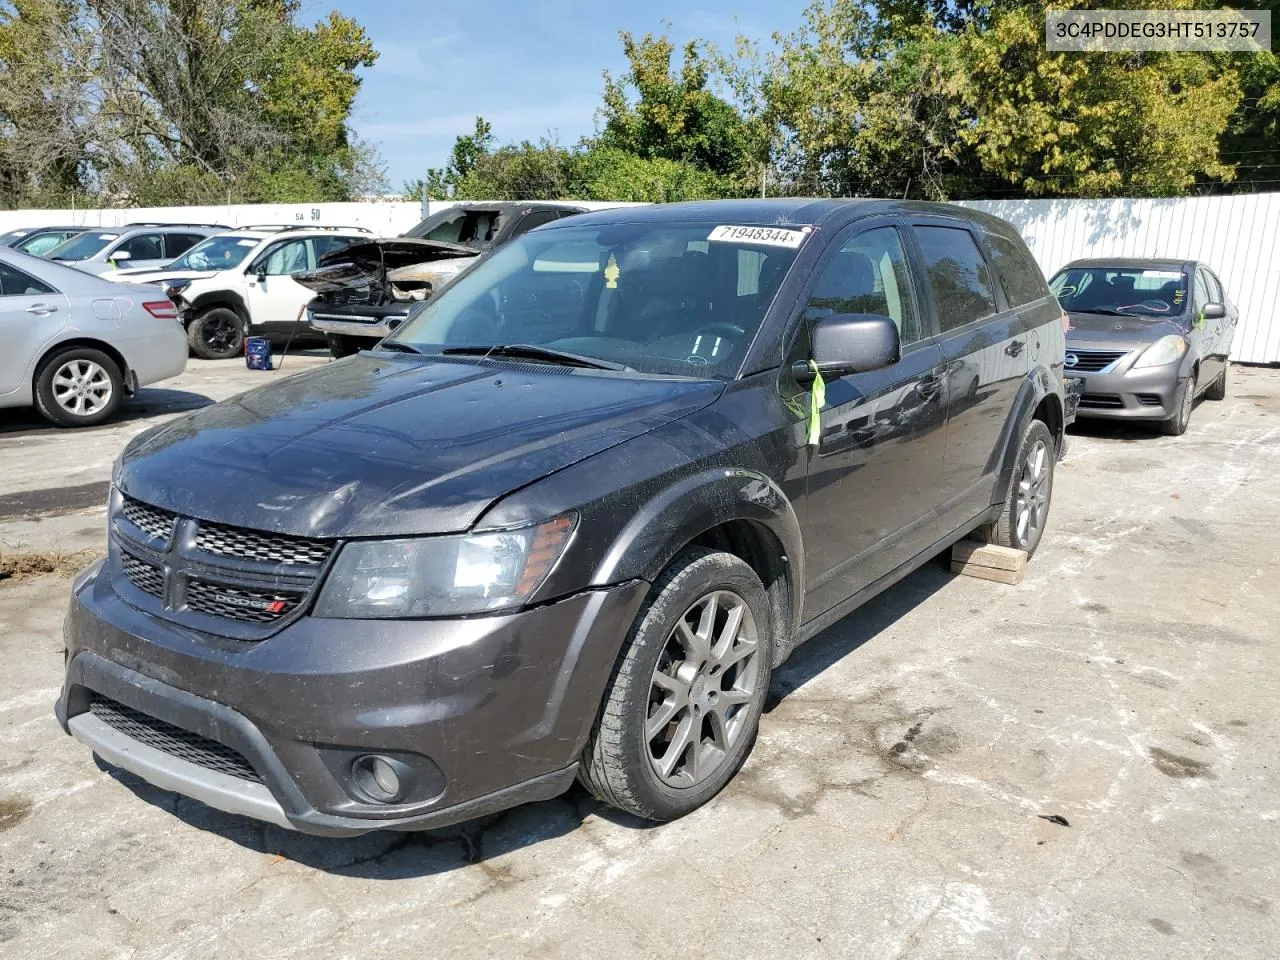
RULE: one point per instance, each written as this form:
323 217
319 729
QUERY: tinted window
83 247
1016 270
1123 291
15 283
145 246
537 219
869 274
661 298
326 245
286 258
176 244
957 275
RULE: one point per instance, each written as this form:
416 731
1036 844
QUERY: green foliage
179 101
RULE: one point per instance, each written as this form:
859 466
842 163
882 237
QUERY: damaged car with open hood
366 290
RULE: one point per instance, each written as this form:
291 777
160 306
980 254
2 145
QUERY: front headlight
442 576
1165 350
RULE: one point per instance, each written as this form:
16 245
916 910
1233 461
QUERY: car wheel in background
683 705
1218 389
1184 399
1026 507
78 387
340 346
216 334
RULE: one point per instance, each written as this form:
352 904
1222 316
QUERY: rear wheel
216 334
1218 389
684 702
1184 400
1026 508
78 387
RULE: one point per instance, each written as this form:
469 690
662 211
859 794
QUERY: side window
957 275
1017 272
1202 292
176 244
289 257
537 219
869 274
1216 293
15 283
145 246
324 246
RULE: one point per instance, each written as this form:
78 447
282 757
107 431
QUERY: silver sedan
73 346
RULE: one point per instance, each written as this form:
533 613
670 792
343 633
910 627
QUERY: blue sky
530 68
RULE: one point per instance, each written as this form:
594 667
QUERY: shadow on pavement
149 402
387 855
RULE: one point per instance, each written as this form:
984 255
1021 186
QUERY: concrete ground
895 805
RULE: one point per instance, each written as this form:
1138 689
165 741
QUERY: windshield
661 298
465 225
83 247
216 253
1135 292
41 243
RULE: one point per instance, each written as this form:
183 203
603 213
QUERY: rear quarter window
1016 270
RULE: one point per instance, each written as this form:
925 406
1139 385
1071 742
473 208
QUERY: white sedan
73 346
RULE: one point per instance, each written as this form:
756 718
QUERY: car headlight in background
443 576
1165 350
173 288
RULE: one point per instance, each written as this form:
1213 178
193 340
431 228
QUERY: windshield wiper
1106 312
395 346
518 350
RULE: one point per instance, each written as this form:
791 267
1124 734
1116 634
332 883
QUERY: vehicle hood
392 445
363 263
1102 328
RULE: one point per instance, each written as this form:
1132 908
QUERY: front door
987 349
274 298
875 471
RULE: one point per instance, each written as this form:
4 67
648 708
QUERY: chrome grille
236 603
154 522
267 547
147 577
1091 361
174 741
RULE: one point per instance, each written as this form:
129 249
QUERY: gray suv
566 521
133 245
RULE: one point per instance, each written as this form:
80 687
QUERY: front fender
682 512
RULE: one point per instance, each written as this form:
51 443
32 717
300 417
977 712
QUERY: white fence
1238 236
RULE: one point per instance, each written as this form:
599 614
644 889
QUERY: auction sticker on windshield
769 236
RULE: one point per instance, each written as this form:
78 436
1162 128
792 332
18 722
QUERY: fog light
379 778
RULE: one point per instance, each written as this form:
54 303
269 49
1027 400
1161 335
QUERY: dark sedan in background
1146 336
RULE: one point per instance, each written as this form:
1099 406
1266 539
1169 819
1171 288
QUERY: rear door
985 346
875 473
31 313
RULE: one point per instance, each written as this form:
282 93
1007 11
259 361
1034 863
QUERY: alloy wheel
701 690
82 388
219 333
1032 505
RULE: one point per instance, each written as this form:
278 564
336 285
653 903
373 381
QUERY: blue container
257 353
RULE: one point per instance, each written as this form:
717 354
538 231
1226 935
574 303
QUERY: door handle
1014 348
41 309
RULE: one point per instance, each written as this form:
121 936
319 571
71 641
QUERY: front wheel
684 702
1184 399
216 334
1218 389
1026 508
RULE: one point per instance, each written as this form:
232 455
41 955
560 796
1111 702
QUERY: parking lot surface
1083 765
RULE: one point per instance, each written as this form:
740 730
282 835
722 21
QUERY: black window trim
956 223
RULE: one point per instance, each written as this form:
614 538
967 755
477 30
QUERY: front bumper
1124 393
485 712
366 321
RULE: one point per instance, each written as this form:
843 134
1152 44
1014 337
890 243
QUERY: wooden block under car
986 561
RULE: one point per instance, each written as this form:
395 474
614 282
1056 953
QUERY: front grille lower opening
171 740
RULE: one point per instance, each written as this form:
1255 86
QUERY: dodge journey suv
569 517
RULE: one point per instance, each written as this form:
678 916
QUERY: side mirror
1214 311
853 343
120 256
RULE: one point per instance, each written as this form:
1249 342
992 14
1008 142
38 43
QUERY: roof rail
282 227
157 223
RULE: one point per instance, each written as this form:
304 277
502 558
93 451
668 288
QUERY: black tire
341 346
618 764
1184 400
73 371
1218 389
1024 491
216 334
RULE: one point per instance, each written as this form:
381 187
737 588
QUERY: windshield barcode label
770 236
